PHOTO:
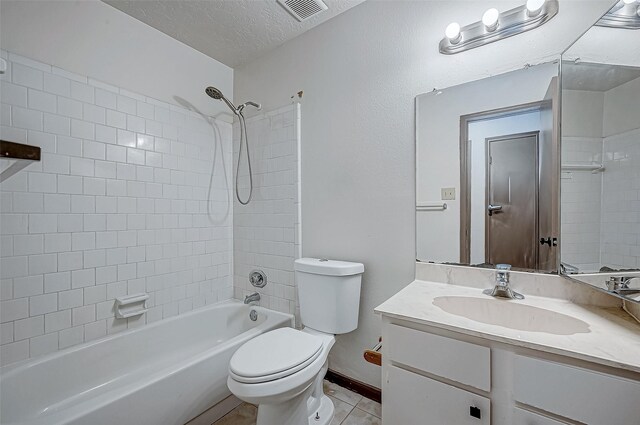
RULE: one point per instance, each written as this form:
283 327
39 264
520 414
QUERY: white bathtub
164 373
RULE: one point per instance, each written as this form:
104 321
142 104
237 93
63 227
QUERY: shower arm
254 104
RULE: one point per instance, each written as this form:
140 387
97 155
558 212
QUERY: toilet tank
329 294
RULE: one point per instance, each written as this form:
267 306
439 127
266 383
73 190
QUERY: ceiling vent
303 9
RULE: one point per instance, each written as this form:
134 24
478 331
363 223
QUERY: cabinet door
585 396
524 417
412 399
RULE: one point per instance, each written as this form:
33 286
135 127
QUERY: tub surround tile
266 232
121 198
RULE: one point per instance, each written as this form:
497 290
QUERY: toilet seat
274 355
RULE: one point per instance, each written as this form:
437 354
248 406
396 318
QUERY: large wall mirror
600 174
487 171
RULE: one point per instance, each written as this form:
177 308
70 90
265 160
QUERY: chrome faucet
251 298
620 285
502 288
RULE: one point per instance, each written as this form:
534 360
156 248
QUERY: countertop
613 338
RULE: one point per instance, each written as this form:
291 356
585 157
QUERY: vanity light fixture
495 26
625 14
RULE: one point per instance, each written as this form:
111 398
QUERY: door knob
491 208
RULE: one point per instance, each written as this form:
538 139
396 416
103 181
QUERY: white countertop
613 338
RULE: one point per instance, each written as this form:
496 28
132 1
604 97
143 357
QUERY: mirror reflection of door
509 184
511 230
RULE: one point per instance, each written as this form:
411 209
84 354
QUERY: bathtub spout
251 298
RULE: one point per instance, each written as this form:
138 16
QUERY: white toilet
282 370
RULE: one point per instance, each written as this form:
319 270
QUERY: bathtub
165 373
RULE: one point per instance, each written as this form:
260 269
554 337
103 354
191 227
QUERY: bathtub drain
253 315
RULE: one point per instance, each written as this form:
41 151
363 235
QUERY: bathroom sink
511 314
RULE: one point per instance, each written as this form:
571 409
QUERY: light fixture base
624 16
510 23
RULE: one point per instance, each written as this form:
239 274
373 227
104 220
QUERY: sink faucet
502 288
620 285
251 298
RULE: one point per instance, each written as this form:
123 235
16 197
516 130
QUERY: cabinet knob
475 412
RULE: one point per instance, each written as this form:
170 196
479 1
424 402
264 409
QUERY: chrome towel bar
431 206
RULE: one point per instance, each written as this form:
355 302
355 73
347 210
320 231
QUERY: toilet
282 370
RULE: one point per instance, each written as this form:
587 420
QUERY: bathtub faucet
251 298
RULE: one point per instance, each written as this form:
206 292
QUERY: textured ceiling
233 32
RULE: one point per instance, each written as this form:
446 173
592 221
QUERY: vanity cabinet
525 417
411 398
436 377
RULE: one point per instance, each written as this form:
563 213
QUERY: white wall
479 132
122 202
360 73
582 113
621 108
93 39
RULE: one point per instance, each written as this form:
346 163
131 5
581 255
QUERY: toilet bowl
282 371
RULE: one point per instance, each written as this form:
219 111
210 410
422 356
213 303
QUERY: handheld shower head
217 94
214 93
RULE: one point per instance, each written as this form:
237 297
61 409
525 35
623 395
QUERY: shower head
217 94
214 93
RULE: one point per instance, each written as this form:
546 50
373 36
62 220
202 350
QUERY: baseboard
361 388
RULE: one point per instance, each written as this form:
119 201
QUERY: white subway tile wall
621 201
266 233
122 202
581 204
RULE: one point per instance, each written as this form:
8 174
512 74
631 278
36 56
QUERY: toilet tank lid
328 267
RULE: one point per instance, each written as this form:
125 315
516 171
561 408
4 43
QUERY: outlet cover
448 193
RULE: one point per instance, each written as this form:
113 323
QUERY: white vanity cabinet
437 377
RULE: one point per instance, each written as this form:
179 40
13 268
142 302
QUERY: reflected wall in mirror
487 171
601 151
600 175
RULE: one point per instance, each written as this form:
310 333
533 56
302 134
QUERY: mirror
600 167
487 171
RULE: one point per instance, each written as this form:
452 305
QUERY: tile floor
351 409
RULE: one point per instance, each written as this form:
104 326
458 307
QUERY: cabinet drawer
449 358
524 417
412 399
593 398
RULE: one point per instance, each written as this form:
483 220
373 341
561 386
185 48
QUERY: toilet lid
274 355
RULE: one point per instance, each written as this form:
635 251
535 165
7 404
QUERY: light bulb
490 19
453 32
535 6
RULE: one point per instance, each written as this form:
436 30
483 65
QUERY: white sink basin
511 314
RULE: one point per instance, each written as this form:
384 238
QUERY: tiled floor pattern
351 409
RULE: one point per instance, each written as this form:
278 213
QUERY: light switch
448 193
